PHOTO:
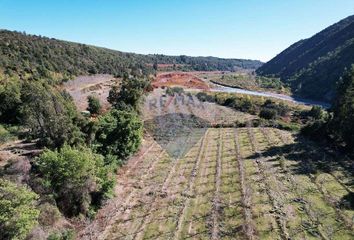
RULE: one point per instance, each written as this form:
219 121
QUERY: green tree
130 93
119 133
155 66
342 124
113 95
245 105
94 105
49 115
10 100
74 175
18 213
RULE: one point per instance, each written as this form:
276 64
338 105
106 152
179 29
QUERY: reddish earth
182 79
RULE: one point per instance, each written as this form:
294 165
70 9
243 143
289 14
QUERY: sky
252 29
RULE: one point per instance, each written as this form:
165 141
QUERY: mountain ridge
31 56
313 66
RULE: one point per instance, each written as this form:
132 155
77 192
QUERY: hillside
205 63
36 56
313 66
30 56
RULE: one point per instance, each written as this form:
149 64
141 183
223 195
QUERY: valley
102 144
99 85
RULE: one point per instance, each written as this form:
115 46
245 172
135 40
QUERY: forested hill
30 56
36 56
314 65
205 63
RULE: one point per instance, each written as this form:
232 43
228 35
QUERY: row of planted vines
234 183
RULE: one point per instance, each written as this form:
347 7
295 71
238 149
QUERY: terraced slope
245 183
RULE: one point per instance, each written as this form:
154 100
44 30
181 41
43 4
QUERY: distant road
221 88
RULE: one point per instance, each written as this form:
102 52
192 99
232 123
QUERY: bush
316 112
282 162
18 213
174 91
49 214
268 114
94 105
204 97
63 235
74 174
316 130
269 82
4 135
280 108
294 127
119 133
230 102
246 105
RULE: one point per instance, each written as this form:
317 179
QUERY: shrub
63 235
174 90
282 162
247 105
94 105
269 82
268 114
18 213
5 135
230 102
49 214
280 108
73 174
316 112
204 97
316 130
119 133
288 126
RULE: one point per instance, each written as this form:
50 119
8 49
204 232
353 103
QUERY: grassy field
233 183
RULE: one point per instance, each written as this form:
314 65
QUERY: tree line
76 170
35 57
337 127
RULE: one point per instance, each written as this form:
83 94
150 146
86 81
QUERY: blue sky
253 29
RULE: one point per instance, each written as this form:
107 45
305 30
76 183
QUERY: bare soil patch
183 79
83 86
